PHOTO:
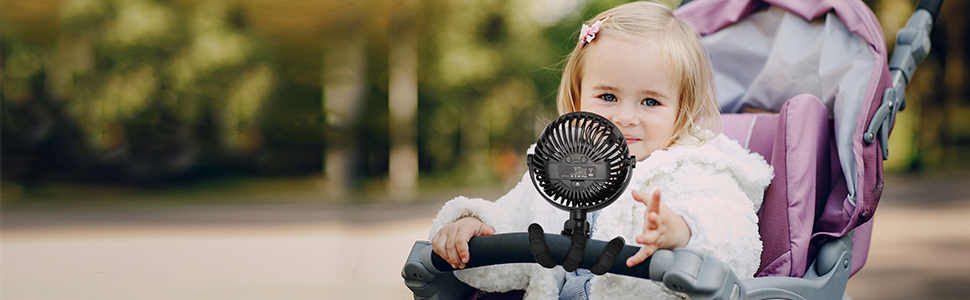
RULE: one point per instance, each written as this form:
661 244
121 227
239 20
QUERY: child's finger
462 248
640 256
438 244
450 252
441 244
465 233
486 230
639 197
461 242
445 247
652 222
654 204
648 238
434 242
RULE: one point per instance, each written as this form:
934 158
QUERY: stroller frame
702 276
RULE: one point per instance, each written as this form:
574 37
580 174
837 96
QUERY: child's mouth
631 139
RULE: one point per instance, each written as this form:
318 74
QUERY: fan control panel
577 171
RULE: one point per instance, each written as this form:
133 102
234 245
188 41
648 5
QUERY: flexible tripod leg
575 254
537 243
608 256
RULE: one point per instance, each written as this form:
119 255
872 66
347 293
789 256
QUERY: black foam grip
608 257
932 6
575 255
506 248
537 243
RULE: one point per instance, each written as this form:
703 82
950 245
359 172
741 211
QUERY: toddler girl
645 70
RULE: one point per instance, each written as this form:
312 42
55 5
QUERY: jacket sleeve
719 214
511 212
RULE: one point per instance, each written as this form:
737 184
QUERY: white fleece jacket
716 187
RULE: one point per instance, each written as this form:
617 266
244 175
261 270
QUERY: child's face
624 81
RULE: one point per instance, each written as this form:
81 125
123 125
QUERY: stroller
820 68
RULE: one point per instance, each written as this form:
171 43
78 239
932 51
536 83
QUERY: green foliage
148 91
151 90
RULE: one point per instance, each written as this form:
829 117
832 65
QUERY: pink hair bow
589 32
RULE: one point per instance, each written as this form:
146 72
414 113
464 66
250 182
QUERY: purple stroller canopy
765 53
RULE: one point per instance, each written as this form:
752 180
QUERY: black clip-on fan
581 164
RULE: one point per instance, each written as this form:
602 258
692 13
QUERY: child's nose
626 116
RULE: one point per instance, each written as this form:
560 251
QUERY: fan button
584 160
569 159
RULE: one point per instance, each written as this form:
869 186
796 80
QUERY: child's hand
662 228
451 242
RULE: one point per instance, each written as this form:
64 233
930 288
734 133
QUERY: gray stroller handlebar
698 275
931 6
701 276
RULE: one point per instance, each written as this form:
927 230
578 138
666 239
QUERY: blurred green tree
393 95
148 90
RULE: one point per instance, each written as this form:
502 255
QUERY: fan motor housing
581 162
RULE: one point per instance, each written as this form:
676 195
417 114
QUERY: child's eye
608 97
650 102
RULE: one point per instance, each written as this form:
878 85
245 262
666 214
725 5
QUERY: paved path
920 246
920 249
136 254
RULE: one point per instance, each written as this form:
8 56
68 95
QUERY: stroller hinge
882 121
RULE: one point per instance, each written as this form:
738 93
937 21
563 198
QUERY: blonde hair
698 116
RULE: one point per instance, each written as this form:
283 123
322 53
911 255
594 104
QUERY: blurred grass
232 191
209 191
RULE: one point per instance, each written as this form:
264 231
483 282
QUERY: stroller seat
822 67
797 143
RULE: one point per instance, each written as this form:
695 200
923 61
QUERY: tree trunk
403 105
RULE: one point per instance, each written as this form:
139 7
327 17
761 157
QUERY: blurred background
144 139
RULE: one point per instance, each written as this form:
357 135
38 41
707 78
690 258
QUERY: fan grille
581 161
